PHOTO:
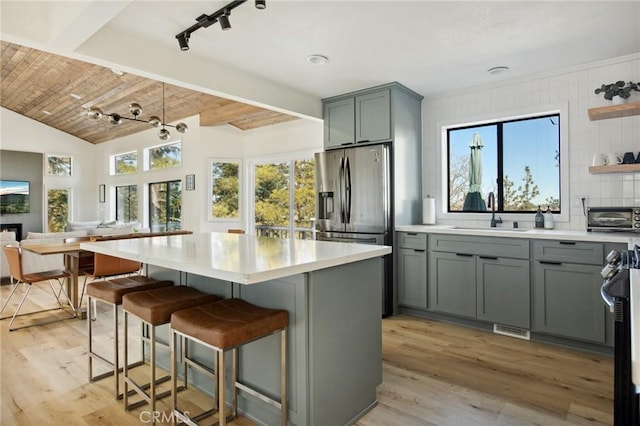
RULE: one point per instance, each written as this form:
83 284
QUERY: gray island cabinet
332 292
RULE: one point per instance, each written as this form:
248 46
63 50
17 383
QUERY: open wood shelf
618 168
614 111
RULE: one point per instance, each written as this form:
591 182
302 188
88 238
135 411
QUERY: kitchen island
332 291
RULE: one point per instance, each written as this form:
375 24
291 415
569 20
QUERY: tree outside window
165 206
520 163
58 165
165 156
225 189
57 209
127 203
125 163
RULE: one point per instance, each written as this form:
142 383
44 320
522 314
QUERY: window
58 165
126 163
165 206
127 203
225 189
164 156
285 201
519 161
57 209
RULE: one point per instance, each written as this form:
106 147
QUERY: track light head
224 21
183 41
261 4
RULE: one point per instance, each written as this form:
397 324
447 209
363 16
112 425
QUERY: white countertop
239 258
535 233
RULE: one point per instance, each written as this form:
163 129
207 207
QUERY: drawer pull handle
419 250
464 254
568 243
412 233
489 257
549 262
363 141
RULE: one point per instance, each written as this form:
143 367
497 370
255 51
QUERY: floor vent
508 330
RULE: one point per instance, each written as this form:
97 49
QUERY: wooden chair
14 258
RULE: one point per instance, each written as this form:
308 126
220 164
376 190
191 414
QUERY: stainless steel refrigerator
353 202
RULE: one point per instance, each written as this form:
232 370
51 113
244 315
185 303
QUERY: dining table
72 253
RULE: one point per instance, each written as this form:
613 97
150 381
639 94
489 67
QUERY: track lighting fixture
136 110
220 15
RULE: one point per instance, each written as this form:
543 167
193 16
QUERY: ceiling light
221 15
117 71
76 97
317 59
497 70
136 109
224 22
44 111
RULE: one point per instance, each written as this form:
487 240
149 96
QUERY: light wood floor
434 374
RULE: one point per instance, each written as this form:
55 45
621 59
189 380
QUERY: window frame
167 207
210 216
513 115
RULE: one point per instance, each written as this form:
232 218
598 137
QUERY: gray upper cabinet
339 123
373 117
379 114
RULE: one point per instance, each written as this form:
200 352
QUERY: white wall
573 87
19 133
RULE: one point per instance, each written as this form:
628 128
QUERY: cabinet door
373 117
412 277
567 302
452 283
503 291
339 123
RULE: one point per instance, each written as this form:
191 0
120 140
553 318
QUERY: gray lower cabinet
411 258
566 290
481 278
453 283
503 291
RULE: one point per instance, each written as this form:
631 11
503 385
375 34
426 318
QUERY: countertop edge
535 233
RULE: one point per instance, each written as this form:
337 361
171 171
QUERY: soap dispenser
548 219
539 218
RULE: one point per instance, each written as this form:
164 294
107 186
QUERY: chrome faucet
491 200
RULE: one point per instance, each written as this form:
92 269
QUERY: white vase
617 100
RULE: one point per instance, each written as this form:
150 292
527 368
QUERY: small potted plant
619 91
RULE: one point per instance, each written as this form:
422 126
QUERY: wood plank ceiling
57 91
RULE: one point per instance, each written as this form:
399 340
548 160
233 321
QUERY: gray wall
15 165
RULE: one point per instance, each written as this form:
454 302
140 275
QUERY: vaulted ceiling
431 46
57 91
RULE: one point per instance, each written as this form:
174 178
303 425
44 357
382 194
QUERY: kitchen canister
429 210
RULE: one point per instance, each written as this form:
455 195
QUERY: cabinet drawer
569 251
483 246
412 240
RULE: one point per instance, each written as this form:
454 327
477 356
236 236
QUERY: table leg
72 263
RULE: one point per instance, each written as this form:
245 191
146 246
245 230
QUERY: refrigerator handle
341 189
348 191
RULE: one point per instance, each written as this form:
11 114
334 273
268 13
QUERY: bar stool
225 326
154 308
111 292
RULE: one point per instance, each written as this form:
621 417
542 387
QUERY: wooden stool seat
228 323
224 327
112 292
154 308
